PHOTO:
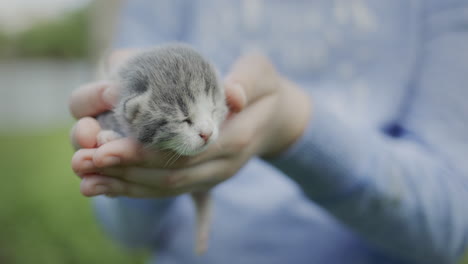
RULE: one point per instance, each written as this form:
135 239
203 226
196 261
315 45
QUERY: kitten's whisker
166 155
178 157
167 158
179 154
168 161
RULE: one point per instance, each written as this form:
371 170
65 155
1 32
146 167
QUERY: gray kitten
170 99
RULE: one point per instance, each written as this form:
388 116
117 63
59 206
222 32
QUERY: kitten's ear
132 107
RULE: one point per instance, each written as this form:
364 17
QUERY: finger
159 178
235 97
204 175
93 185
124 151
237 134
82 162
148 176
93 99
84 133
106 136
128 152
253 72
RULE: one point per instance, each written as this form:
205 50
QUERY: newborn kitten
170 99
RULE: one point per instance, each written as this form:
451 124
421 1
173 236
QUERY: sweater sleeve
134 223
406 194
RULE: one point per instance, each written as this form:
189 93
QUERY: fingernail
110 161
101 189
110 95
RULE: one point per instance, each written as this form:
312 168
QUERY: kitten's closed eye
188 121
149 131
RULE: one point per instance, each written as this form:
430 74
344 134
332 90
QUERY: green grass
64 37
465 259
43 217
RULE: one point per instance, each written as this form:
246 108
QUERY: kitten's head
171 99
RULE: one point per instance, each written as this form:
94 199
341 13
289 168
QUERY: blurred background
47 48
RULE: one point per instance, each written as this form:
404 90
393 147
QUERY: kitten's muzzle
206 136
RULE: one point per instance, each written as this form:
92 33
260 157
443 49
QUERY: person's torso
360 55
359 52
260 216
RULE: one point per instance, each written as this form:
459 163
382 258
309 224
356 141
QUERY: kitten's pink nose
205 135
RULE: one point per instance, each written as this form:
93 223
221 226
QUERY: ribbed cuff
327 161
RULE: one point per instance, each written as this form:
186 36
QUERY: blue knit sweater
380 174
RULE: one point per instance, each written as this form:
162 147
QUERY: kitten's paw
107 136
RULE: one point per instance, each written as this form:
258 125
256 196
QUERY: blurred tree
4 44
65 37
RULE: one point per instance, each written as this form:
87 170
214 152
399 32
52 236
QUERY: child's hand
274 113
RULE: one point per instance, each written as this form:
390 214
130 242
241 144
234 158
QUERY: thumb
251 77
235 97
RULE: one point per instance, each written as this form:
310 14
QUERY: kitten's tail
202 201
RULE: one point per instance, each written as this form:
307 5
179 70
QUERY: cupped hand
274 113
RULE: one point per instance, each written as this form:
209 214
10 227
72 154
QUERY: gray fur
160 91
169 97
